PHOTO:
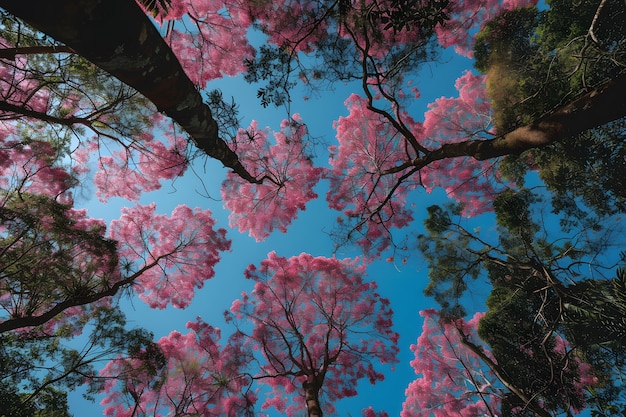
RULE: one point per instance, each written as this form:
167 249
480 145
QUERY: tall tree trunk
119 38
599 106
529 402
311 395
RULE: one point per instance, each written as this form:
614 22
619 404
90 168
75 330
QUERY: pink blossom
176 254
359 183
219 35
201 375
450 120
322 308
289 179
130 172
449 375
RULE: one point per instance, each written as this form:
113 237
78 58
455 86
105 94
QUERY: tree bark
311 396
598 107
530 402
11 53
118 37
21 322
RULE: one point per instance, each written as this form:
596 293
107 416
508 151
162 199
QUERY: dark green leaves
453 263
419 15
156 7
438 220
273 65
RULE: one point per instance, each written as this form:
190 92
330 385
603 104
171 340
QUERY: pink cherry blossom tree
290 178
199 376
452 379
318 327
382 157
175 254
54 257
90 117
217 32
457 374
57 262
60 268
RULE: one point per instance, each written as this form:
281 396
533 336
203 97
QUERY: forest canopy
528 155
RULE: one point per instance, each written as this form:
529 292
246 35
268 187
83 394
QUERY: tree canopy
554 314
115 95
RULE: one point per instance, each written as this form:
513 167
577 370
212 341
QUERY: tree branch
33 321
119 38
499 373
599 106
10 53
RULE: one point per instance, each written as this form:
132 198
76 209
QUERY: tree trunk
119 38
531 403
599 106
311 396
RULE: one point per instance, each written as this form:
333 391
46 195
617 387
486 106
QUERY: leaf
156 7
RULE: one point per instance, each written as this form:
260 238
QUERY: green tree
38 368
50 403
552 300
538 59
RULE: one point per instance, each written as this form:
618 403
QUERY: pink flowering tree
458 374
57 262
191 373
51 136
289 179
381 158
175 254
61 272
53 255
318 328
451 379
59 265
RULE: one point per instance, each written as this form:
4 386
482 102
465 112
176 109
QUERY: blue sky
402 284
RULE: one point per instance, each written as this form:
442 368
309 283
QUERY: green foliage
590 167
52 403
508 37
595 311
409 15
273 65
538 60
519 329
156 7
544 312
543 59
225 114
503 50
439 220
513 214
42 263
451 264
37 369
336 56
